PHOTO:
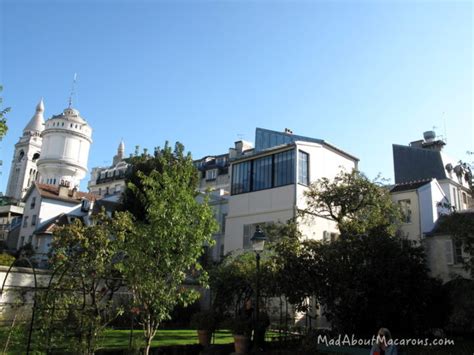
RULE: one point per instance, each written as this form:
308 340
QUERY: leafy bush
6 259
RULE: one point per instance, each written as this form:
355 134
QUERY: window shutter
448 250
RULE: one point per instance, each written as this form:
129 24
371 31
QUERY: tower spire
73 90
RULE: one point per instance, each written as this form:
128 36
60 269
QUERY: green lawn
116 339
120 339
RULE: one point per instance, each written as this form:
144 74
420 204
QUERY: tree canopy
3 119
171 228
357 204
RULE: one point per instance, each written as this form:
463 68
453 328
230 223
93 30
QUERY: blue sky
360 74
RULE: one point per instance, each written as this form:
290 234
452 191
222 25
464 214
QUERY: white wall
411 230
272 205
437 248
323 162
280 204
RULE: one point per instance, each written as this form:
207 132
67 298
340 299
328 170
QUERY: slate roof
48 226
411 164
411 185
109 206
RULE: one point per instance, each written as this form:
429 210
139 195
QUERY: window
262 173
25 221
405 206
221 161
33 202
325 236
33 220
454 202
221 250
22 241
457 247
284 168
211 174
107 190
303 168
448 252
241 178
224 219
464 198
100 191
247 244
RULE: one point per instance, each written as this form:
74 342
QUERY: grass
120 339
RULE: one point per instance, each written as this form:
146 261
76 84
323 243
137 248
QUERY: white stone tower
65 150
23 171
120 153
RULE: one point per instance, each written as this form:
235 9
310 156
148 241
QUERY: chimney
63 191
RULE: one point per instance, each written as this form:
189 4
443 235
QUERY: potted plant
205 324
241 329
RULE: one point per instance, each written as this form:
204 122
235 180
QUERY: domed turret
65 150
36 124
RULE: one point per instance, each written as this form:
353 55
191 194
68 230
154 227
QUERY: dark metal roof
267 139
109 206
412 185
411 164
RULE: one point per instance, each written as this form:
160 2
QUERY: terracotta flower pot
204 337
241 343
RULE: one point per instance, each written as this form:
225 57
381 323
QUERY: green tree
368 281
75 309
290 261
171 229
3 120
233 280
357 204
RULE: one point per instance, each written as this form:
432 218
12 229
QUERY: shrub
6 259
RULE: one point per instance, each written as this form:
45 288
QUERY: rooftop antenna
445 132
73 89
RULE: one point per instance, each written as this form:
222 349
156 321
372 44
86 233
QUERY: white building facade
268 186
430 185
107 181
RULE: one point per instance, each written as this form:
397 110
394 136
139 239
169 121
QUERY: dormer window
221 161
211 174
85 205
